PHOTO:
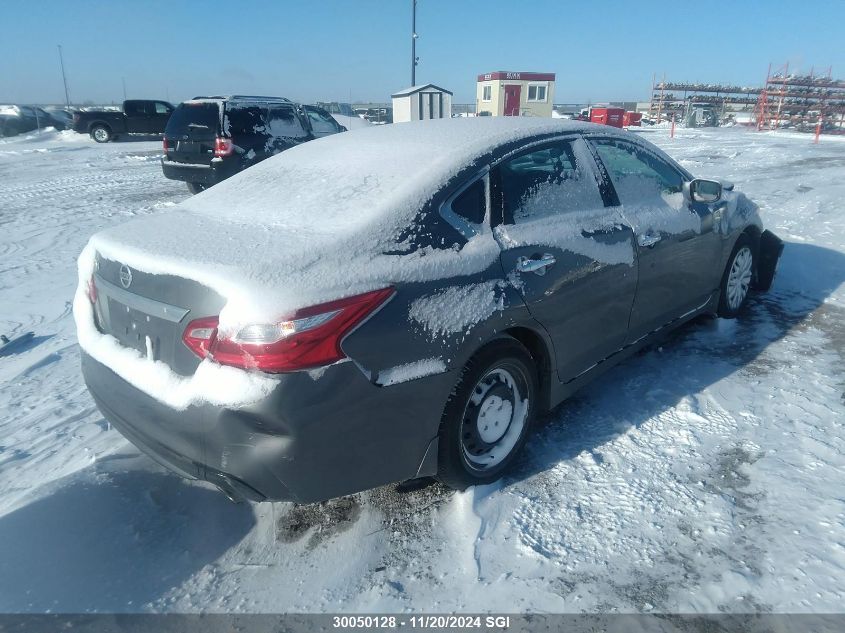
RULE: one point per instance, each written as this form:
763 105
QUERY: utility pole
64 79
414 59
123 81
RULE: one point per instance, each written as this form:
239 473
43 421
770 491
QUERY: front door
512 95
571 256
677 244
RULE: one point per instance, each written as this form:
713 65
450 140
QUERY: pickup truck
139 116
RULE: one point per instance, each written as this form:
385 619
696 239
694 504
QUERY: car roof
383 174
241 98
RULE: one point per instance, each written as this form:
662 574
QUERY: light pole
414 58
64 79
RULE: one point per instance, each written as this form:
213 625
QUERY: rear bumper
308 441
203 174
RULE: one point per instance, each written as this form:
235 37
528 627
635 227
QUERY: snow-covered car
17 119
401 301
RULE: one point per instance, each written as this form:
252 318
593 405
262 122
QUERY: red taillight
92 290
223 147
164 145
199 335
311 337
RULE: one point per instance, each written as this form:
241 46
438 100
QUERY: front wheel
736 280
487 417
101 134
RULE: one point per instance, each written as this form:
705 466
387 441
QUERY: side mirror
707 191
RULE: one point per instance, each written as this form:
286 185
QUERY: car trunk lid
149 312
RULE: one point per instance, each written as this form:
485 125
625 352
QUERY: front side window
546 182
321 123
637 174
282 122
537 92
161 108
487 93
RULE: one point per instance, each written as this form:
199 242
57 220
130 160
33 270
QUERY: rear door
677 246
191 130
571 256
139 116
245 124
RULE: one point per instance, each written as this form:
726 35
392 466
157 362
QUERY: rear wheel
196 187
487 418
101 133
736 281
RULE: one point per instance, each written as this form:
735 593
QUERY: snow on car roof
316 222
357 177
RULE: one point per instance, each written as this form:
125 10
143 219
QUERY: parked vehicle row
19 119
473 272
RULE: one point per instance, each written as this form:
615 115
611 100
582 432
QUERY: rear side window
546 182
244 120
470 204
321 123
193 118
637 174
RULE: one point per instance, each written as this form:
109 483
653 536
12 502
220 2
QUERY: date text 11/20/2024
499 622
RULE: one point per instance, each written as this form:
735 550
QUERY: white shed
419 103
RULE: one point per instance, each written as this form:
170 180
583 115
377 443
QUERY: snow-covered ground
706 474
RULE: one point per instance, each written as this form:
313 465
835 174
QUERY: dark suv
208 139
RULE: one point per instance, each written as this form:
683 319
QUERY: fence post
672 133
818 130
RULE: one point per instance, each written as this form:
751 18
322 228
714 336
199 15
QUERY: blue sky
360 50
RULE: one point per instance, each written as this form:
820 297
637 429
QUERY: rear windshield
192 118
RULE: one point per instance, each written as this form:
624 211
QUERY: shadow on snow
113 541
692 358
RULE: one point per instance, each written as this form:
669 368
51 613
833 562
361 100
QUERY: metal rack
670 98
801 102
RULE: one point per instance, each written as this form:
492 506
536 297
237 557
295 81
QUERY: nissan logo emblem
125 276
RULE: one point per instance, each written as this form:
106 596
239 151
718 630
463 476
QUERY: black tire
196 187
462 450
101 133
730 303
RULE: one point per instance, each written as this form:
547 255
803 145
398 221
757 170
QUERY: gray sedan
402 301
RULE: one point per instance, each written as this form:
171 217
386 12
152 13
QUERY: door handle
648 240
537 266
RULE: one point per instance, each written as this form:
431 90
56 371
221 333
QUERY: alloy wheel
739 277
